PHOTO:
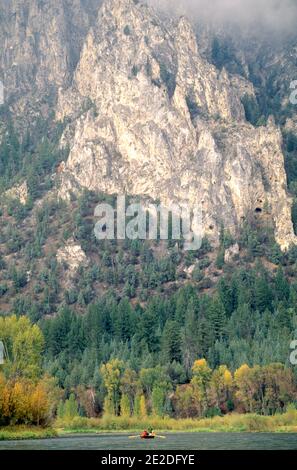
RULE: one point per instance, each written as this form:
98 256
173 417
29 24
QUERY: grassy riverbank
26 432
286 422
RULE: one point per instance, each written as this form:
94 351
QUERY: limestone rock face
149 116
73 255
19 192
40 48
231 252
147 113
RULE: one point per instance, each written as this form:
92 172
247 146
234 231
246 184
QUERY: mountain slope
139 110
148 113
41 47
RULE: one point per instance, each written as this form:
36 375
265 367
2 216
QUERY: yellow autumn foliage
25 402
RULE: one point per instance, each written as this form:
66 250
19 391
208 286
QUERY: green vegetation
27 395
286 422
290 149
159 394
32 156
127 30
193 108
223 54
134 338
14 433
252 111
124 337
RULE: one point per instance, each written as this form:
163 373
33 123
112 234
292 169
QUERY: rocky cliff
146 113
40 48
150 116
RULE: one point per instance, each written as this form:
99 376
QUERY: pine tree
217 317
171 342
228 295
189 336
220 261
284 316
263 294
282 287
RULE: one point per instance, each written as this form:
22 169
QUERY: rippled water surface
179 441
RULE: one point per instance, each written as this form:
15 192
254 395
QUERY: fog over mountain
259 15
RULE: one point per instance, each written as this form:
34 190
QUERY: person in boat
147 434
151 432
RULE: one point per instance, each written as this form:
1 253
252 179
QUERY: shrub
127 30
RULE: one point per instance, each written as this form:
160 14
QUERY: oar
161 437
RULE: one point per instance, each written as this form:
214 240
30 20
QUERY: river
178 441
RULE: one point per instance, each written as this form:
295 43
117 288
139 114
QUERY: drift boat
147 436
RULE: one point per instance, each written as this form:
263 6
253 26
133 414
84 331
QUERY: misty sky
273 15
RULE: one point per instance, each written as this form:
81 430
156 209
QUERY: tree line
259 389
